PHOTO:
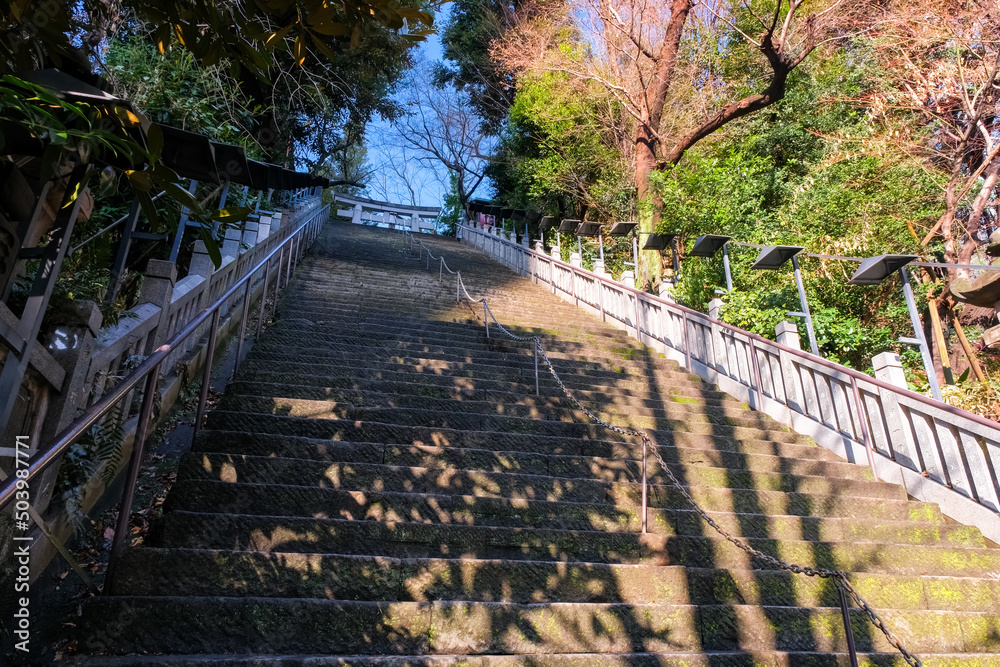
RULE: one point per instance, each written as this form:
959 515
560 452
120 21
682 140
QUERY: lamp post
661 242
588 228
707 245
774 257
568 226
543 224
624 229
874 270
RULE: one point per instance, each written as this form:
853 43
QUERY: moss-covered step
276 625
200 572
553 478
319 402
700 659
446 456
392 506
323 338
461 422
426 540
596 364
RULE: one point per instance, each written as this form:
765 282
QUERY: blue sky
392 168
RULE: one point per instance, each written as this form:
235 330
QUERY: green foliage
171 88
843 340
452 210
555 154
102 444
466 38
775 178
39 32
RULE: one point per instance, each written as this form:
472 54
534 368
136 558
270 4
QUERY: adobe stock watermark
22 545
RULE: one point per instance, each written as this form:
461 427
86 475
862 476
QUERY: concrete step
345 403
202 495
356 441
673 659
563 480
597 371
429 455
521 383
290 332
200 572
442 420
278 626
422 540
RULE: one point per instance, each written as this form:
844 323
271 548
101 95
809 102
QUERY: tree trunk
976 213
646 142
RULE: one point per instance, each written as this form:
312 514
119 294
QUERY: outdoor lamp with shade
567 226
588 228
661 242
874 270
543 224
519 214
707 245
624 229
772 258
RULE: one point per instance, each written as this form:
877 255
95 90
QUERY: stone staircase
380 485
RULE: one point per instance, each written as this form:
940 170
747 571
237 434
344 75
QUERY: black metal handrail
148 373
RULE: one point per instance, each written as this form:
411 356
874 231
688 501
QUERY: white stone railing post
719 354
158 289
889 368
787 334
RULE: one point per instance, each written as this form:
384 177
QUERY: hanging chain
838 576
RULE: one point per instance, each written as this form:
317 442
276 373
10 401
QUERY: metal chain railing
839 577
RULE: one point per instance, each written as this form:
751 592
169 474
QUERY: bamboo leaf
276 37
211 245
231 215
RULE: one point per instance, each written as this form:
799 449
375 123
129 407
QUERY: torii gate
420 218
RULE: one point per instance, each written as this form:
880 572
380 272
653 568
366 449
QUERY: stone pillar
414 223
201 263
576 260
158 289
889 368
231 243
556 253
539 246
356 214
263 228
71 345
250 233
79 323
787 334
667 291
628 278
720 355
599 267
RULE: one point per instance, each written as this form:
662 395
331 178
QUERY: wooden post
968 349
942 344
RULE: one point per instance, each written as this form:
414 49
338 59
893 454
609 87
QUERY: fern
111 446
